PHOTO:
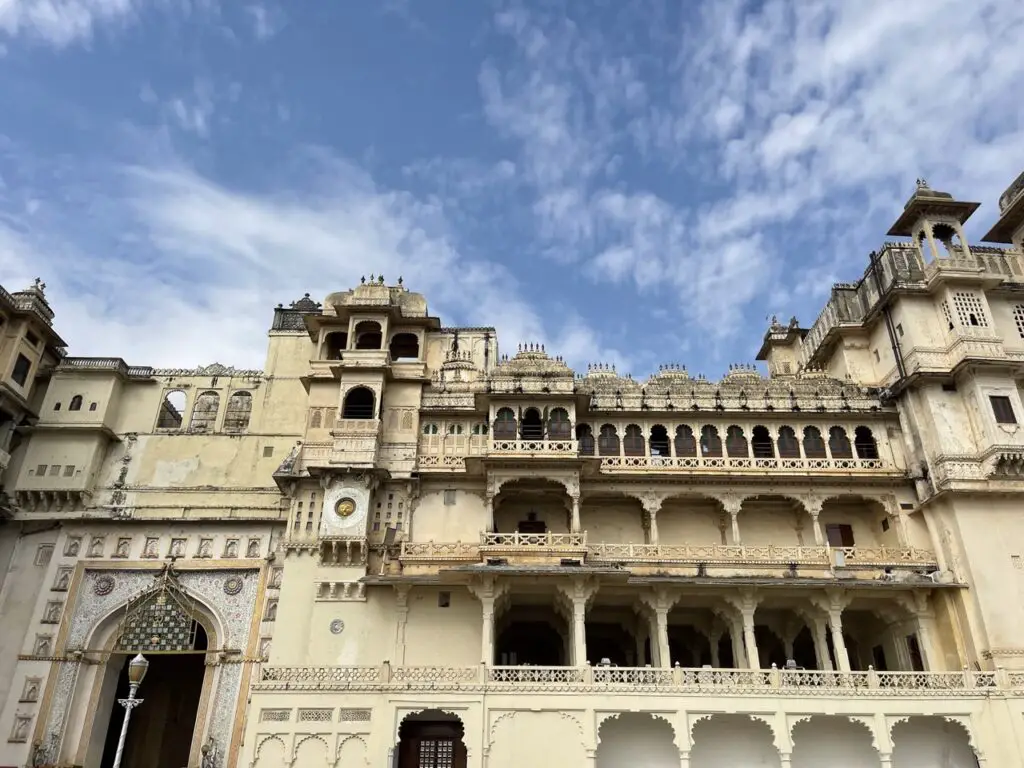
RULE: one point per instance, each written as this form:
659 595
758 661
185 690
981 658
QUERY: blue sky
627 181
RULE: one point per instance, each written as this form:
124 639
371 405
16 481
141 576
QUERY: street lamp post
136 672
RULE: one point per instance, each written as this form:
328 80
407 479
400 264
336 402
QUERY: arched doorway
161 729
175 633
431 739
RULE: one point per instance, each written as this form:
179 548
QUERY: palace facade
399 545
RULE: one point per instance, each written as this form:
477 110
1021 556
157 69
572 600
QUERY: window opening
404 346
736 442
532 428
204 412
368 335
172 410
558 424
865 443
761 443
633 443
789 447
814 443
359 404
75 404
585 435
608 441
686 443
505 424
1002 409
659 441
236 416
710 441
21 368
839 444
839 535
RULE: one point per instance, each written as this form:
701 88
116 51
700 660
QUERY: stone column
926 634
821 645
835 622
664 654
739 654
813 507
652 505
575 527
714 639
749 638
579 631
487 631
402 614
936 540
640 649
490 513
732 505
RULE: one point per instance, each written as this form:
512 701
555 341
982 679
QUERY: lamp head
137 669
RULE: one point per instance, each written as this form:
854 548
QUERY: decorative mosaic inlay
93 608
104 585
337 627
233 585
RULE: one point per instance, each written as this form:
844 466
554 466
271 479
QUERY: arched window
710 442
532 428
559 427
430 429
586 437
659 441
204 412
814 445
761 443
56 406
736 443
359 404
505 424
686 443
480 428
608 441
454 429
236 417
75 404
172 410
405 346
368 335
789 447
633 442
865 443
335 344
839 444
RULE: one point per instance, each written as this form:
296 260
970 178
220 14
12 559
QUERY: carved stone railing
112 364
428 551
630 680
567 447
356 442
712 554
539 542
853 557
744 464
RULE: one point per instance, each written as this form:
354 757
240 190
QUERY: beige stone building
398 546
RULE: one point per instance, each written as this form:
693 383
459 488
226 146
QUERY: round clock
345 507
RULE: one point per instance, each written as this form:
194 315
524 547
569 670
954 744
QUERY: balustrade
534 447
626 680
533 541
774 465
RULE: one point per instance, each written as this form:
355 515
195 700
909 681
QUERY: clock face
345 507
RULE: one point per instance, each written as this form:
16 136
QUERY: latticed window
236 416
969 309
839 443
436 753
1018 318
505 424
608 441
710 441
430 429
686 443
633 444
736 442
586 437
947 314
204 412
789 447
162 619
558 424
814 444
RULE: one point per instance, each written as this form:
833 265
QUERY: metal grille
437 753
161 620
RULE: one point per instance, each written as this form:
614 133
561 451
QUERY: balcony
419 557
773 466
356 443
567 448
529 680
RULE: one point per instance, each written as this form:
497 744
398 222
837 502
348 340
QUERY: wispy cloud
61 22
191 269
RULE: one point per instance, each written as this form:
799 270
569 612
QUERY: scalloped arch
964 721
345 740
509 713
858 720
752 716
457 714
606 717
300 740
258 752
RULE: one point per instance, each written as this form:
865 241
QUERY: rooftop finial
922 184
362 280
399 279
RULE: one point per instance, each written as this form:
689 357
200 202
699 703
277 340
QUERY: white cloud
60 22
181 270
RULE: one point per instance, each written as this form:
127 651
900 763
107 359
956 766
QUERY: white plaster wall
433 520
614 524
272 753
689 522
827 742
521 739
443 636
730 741
931 742
633 739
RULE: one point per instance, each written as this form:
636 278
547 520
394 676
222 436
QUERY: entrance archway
161 728
431 739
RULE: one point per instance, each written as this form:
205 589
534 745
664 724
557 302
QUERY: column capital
402 596
650 501
812 503
487 589
731 503
746 601
660 600
580 590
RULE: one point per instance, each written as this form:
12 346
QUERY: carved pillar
732 505
936 540
487 592
640 635
660 603
575 524
402 614
898 516
490 513
835 606
821 644
577 595
749 639
652 505
664 654
927 635
813 507
739 654
715 638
